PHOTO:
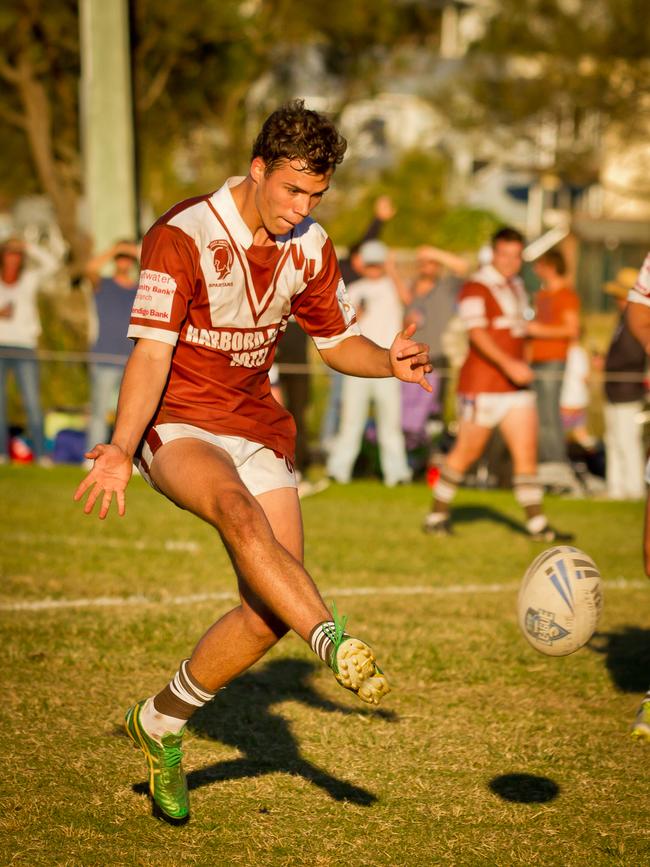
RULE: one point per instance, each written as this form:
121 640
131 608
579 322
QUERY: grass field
486 752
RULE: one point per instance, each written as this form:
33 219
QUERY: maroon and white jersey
498 305
640 294
223 303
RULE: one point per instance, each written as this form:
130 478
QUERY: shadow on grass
627 656
467 514
524 788
241 717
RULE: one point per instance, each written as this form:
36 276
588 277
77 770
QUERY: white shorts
259 467
488 409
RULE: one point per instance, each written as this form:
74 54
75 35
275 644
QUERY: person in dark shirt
624 400
432 303
113 302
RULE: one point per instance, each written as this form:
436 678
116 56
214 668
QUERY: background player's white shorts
259 467
488 409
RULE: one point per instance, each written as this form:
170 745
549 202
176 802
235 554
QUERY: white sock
158 724
536 524
435 518
321 640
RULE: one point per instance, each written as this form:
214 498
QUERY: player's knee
236 514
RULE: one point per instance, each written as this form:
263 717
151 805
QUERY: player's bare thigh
519 430
470 444
195 475
282 509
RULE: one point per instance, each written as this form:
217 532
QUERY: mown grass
485 753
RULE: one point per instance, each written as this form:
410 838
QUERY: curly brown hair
554 258
507 233
294 132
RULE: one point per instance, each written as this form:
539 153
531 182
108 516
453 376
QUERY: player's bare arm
144 379
568 329
453 262
517 371
406 359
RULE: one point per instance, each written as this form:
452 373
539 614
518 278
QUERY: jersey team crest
223 306
223 257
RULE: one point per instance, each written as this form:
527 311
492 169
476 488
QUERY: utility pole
107 136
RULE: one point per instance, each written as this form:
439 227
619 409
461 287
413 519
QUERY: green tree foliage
577 67
417 187
195 65
199 73
39 71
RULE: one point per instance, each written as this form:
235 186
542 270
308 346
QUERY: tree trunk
61 190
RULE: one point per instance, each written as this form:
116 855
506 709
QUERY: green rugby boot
167 782
354 665
641 727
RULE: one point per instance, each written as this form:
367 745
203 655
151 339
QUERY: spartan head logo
223 257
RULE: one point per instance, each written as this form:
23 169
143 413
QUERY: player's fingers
420 360
82 487
92 498
413 349
121 507
426 385
106 504
409 331
97 450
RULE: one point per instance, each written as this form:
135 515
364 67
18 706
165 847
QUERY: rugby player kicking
221 275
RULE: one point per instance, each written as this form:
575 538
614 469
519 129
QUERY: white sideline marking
140 600
105 542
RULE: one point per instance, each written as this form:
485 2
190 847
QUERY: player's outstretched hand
519 372
110 475
410 360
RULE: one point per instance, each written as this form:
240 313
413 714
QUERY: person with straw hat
624 396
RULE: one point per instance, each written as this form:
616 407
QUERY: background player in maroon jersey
493 388
196 413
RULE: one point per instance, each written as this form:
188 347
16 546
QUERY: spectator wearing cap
625 365
113 300
376 298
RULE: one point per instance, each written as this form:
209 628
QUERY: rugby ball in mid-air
560 601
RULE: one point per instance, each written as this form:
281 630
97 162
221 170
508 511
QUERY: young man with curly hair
221 275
